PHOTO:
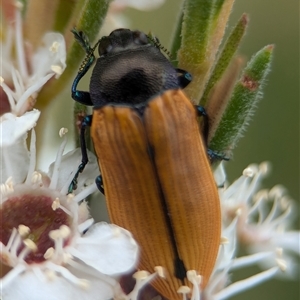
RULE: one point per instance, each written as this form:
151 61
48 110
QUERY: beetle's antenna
83 40
153 39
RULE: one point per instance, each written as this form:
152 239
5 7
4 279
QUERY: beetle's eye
105 46
140 38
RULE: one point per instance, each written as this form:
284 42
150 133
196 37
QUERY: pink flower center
36 213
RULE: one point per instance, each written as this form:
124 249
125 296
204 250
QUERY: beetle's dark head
130 70
120 40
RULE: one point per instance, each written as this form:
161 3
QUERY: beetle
155 170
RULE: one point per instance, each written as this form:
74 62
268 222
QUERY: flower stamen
184 290
49 253
36 178
63 131
142 278
23 230
82 283
160 271
30 246
32 161
59 236
195 279
54 47
58 70
21 57
7 187
56 204
54 178
224 240
281 264
17 242
246 284
11 239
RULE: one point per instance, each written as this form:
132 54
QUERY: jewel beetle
155 170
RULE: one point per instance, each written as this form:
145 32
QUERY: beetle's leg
82 96
184 78
87 121
201 112
99 183
213 156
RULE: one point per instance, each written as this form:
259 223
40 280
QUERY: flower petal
69 164
13 128
139 4
52 53
30 286
288 241
14 161
108 248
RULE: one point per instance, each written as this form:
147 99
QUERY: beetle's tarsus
99 183
73 184
184 78
213 156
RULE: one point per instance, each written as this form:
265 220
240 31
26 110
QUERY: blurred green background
273 134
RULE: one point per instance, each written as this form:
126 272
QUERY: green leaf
176 41
229 49
196 21
241 106
204 23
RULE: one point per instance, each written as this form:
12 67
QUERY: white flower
22 77
247 220
115 17
137 4
50 243
265 216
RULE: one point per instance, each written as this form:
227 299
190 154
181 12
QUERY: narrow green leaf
229 49
176 40
203 27
246 94
196 20
218 5
199 23
90 21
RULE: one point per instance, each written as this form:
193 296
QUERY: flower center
4 103
35 212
